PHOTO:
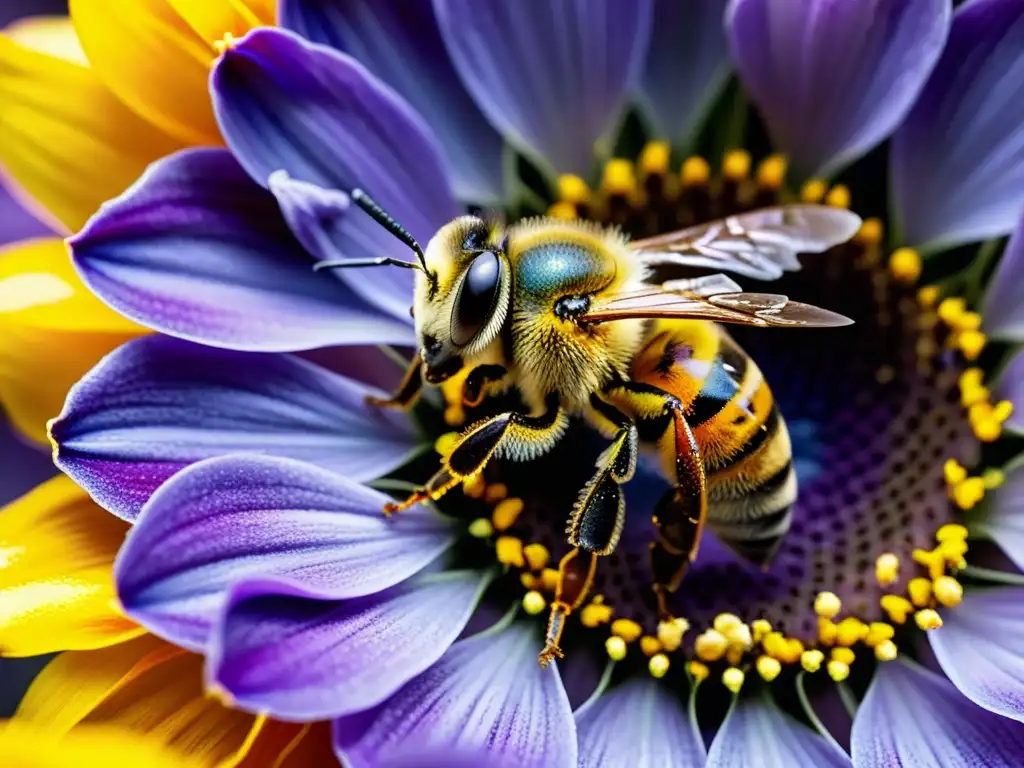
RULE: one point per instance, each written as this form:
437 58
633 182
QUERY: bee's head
461 311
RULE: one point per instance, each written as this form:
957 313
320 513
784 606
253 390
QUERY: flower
261 562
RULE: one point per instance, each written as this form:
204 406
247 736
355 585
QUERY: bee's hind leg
408 391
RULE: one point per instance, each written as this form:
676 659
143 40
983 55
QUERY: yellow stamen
595 613
879 632
951 532
506 513
812 191
654 159
968 493
549 578
827 605
616 648
726 621
870 232
794 649
845 655
734 655
760 628
897 607
733 679
670 633
927 296
850 630
771 173
838 671
950 310
225 44
928 619
920 591
649 645
572 189
564 211
886 651
933 560
531 581
887 569
969 321
446 443
827 631
537 556
952 553
698 671
495 492
768 668
812 660
710 645
481 528
658 665
953 472
993 478
627 629
838 197
905 265
619 177
971 343
695 172
736 164
948 591
739 637
987 430
509 551
534 602
474 486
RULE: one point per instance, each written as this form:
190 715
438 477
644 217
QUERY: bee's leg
575 577
507 435
479 377
408 391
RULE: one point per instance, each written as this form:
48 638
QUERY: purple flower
256 477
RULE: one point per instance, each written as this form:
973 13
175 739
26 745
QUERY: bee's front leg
474 389
507 435
408 391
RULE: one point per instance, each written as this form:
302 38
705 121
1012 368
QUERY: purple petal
486 693
157 404
757 732
913 717
16 223
1003 519
687 65
285 650
833 79
285 104
236 517
639 724
196 250
1003 311
552 77
981 649
957 161
399 42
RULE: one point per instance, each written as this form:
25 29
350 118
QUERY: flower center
876 415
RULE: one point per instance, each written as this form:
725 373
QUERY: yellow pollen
850 630
887 569
827 631
845 655
1002 411
710 645
595 614
897 607
812 660
774 644
878 632
987 430
616 648
509 551
838 197
736 164
726 621
973 395
698 671
771 173
951 532
971 343
670 633
474 486
530 581
549 578
658 665
993 478
827 605
968 493
619 177
627 629
794 650
954 472
870 232
952 553
760 628
768 668
446 443
654 159
969 321
812 191
733 679
534 602
739 637
734 655
920 591
971 377
695 172
649 645
905 265
572 189
537 556
838 671
495 492
506 513
225 44
928 619
948 591
563 210
927 296
933 560
951 309
481 528
886 651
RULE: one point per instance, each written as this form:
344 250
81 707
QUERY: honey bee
570 315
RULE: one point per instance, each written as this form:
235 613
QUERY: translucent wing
760 244
763 309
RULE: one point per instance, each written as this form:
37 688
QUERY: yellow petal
291 745
49 34
155 62
57 550
147 686
23 745
65 138
212 19
53 328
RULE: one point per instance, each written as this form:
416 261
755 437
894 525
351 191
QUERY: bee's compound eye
477 297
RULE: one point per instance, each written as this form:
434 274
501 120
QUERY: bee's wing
760 244
764 309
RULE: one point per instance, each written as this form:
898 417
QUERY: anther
927 296
812 191
736 164
768 668
509 551
928 619
887 569
733 678
933 560
827 605
771 173
897 607
658 665
595 613
480 528
953 472
616 648
827 631
967 494
905 265
506 513
627 629
225 44
710 645
495 492
950 310
948 591
649 645
886 651
536 555
670 633
952 553
838 671
698 671
474 486
878 633
549 579
838 197
993 478
850 630
572 189
654 159
563 210
619 177
971 343
845 655
812 660
870 232
920 591
760 628
695 172
534 602
951 532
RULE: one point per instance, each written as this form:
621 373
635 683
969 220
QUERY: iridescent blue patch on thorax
555 269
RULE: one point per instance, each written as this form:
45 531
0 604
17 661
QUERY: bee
571 315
